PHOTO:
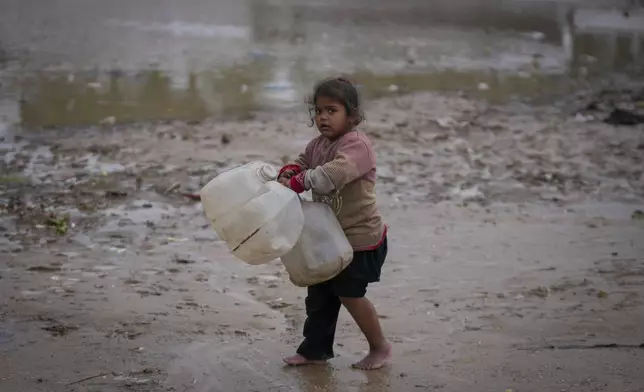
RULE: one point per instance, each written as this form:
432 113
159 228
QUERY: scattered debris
624 117
110 120
619 107
173 239
60 224
278 304
637 215
146 370
171 188
569 284
45 268
579 117
201 278
584 347
59 329
192 196
541 292
468 194
128 334
115 194
537 36
182 260
548 269
147 293
87 379
130 380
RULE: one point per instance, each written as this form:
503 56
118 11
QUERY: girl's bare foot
376 358
298 360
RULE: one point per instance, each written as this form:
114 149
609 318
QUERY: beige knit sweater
342 173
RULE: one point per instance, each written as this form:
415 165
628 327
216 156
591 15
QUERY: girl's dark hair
341 90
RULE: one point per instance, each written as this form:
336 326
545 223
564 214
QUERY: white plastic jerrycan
323 250
259 219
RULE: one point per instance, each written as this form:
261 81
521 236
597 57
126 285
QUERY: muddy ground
516 213
516 256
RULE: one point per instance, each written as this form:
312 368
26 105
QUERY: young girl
339 167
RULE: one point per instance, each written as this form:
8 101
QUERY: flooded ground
516 211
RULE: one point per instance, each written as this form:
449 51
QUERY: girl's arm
353 160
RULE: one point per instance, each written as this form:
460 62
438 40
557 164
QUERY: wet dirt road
512 281
516 257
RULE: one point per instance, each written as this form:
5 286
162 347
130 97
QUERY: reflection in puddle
50 99
314 378
83 99
489 85
57 100
330 378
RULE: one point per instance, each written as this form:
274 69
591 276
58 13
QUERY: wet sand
511 280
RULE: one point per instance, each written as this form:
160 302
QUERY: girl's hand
285 181
287 174
285 177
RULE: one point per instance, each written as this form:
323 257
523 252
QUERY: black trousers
323 301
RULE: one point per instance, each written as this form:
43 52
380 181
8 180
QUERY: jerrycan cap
267 172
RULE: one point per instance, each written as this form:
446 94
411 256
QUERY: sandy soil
516 264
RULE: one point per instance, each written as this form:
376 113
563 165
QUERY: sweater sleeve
353 159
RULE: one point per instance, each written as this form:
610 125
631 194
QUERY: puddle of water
72 99
76 104
492 85
494 50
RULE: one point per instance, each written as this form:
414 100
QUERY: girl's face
331 118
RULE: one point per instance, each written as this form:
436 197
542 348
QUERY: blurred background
80 62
